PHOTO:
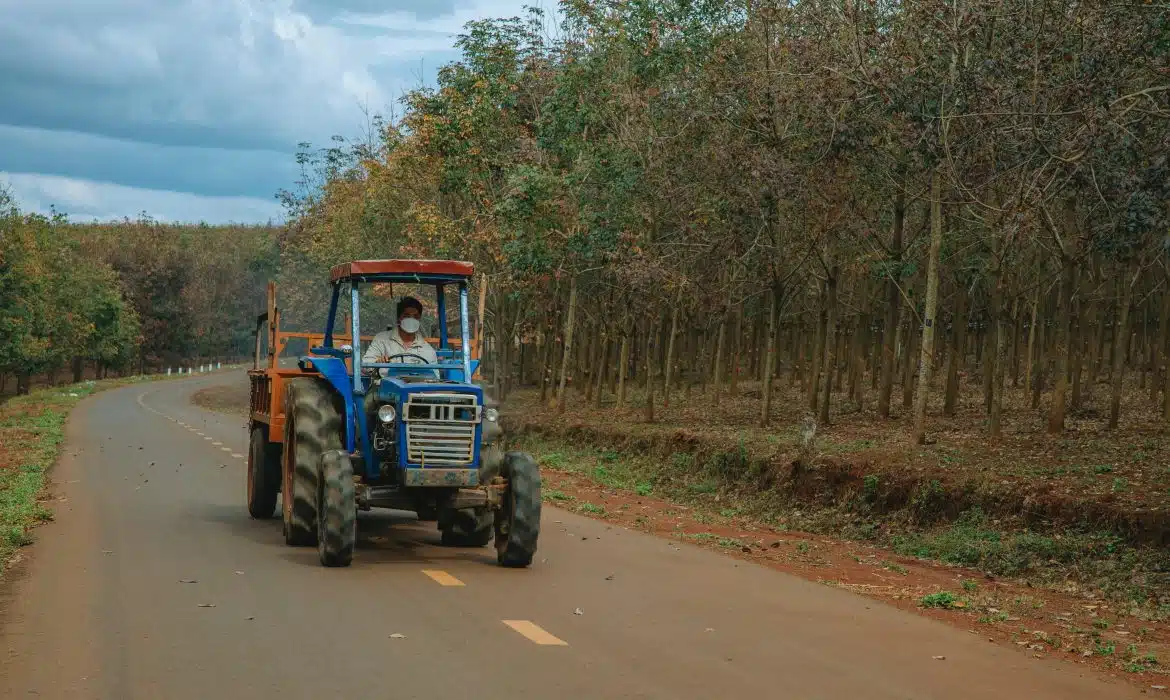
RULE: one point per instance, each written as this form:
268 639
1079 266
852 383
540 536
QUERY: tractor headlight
386 413
491 414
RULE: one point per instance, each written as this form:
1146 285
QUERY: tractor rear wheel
336 510
518 519
263 474
312 426
469 527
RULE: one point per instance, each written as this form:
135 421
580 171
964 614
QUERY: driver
405 340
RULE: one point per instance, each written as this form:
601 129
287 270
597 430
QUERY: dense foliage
713 188
861 194
132 295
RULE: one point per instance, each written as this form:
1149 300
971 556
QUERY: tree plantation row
79 301
880 200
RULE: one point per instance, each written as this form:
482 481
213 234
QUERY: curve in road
152 582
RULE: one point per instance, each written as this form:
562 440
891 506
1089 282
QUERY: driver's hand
383 359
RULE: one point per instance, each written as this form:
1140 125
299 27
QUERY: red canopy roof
359 268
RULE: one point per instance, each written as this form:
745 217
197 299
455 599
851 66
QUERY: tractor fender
334 371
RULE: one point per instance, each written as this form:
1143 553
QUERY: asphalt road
153 583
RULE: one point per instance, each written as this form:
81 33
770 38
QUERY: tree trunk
875 360
830 351
602 363
668 368
623 362
1015 349
736 349
720 354
546 361
857 366
1064 313
649 377
78 369
995 410
1031 345
1076 359
909 359
931 311
997 380
587 378
23 383
989 358
770 357
1159 359
958 351
893 299
1120 348
818 352
1042 362
568 350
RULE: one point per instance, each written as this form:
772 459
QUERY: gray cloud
209 171
422 9
84 200
207 96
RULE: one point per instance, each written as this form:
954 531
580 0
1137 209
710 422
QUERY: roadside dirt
232 399
1085 632
1088 477
1038 622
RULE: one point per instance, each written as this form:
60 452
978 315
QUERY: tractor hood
392 388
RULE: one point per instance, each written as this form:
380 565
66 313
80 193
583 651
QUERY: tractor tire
467 528
312 426
263 474
336 510
517 523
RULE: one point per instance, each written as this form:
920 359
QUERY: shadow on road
384 537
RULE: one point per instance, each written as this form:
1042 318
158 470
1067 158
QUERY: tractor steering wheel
374 371
408 354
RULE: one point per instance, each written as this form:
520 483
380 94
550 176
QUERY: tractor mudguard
335 372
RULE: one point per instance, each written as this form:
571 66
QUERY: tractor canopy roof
417 271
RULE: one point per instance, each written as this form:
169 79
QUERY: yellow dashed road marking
442 577
535 633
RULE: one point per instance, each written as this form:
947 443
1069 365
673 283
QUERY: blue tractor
337 435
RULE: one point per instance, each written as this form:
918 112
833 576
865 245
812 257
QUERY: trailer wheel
263 474
312 427
518 519
467 528
336 510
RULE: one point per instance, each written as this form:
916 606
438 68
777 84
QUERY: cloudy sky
191 110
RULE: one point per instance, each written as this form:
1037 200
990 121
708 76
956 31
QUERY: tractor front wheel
518 519
469 527
336 510
312 427
263 474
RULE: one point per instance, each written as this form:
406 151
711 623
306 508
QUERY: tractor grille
440 429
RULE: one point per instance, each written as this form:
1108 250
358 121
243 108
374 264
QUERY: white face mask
409 325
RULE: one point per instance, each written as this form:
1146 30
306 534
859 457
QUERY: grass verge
1089 561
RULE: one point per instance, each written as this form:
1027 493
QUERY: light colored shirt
389 343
